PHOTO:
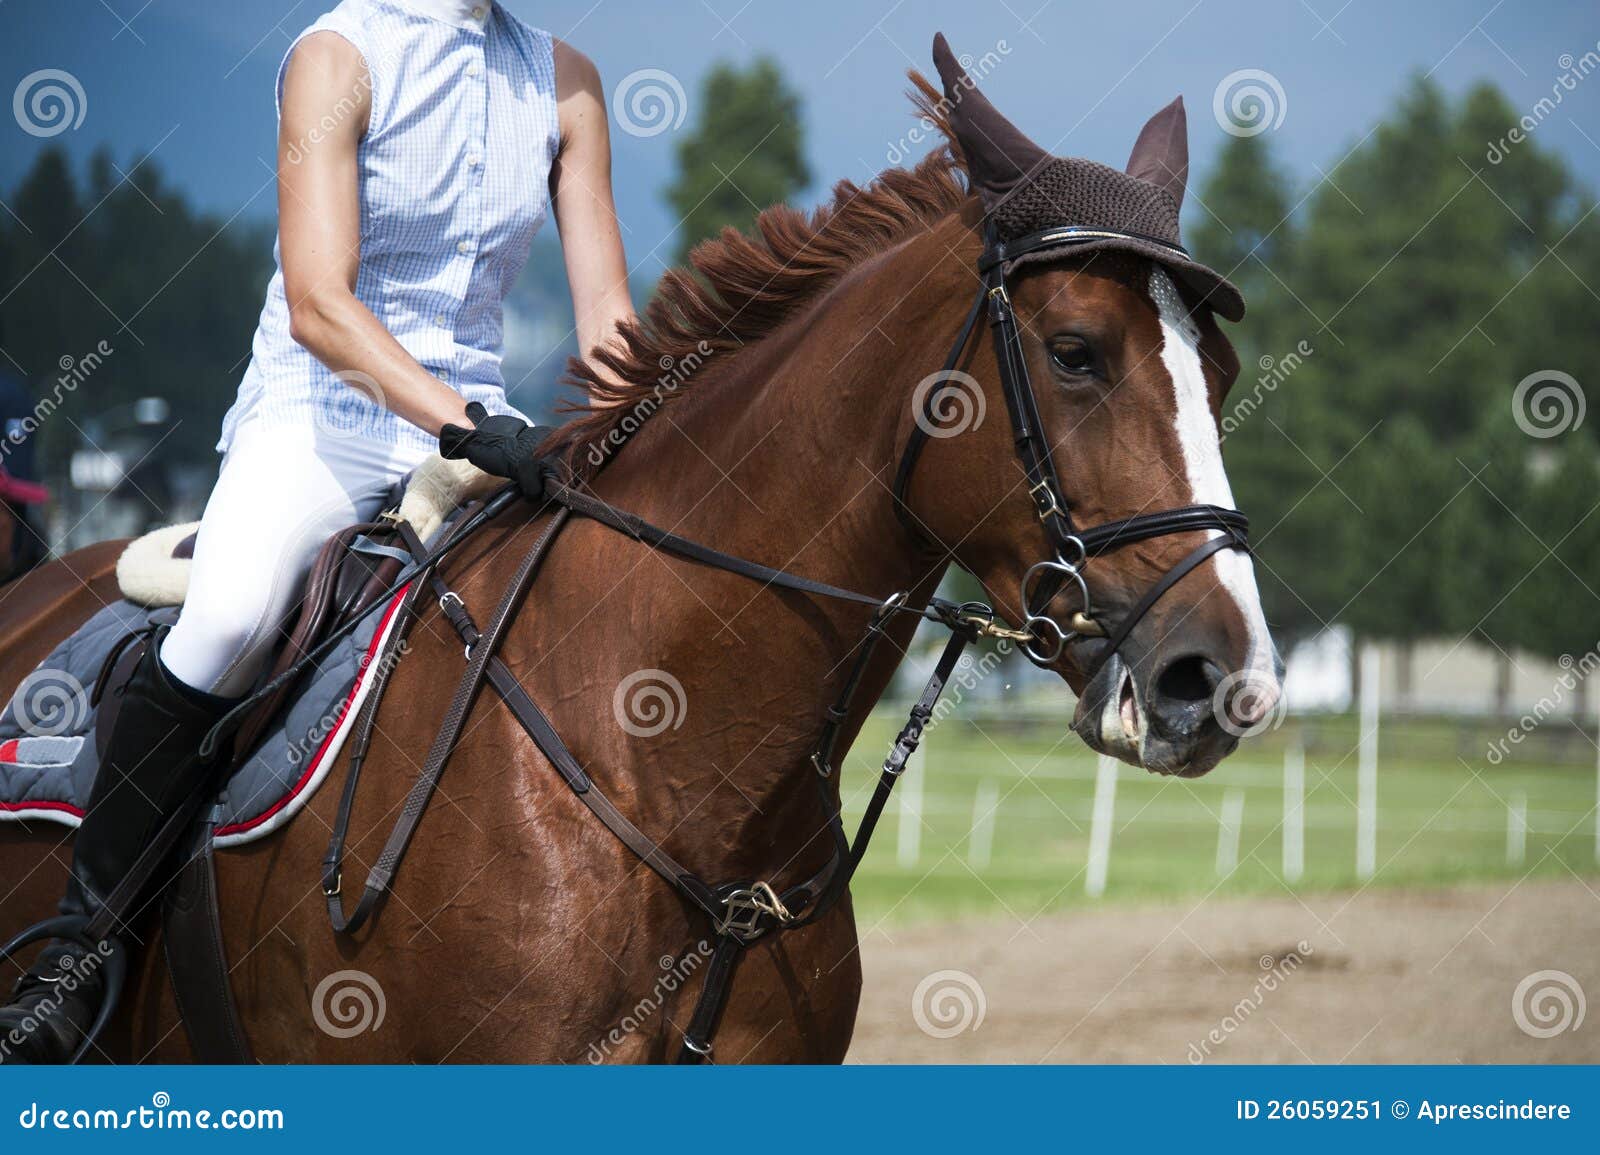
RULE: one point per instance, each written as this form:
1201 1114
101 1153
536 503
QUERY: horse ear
1161 154
998 156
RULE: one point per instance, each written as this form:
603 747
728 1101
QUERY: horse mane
742 287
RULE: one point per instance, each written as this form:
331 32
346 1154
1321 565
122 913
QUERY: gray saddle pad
47 751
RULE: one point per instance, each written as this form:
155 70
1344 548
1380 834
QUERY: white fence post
1517 829
1105 801
1367 766
1232 819
980 840
1294 810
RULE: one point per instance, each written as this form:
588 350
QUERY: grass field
1442 816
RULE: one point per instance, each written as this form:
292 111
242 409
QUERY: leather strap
197 958
712 1002
381 875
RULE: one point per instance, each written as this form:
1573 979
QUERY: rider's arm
319 233
580 185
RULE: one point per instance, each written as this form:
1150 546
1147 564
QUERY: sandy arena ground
1388 977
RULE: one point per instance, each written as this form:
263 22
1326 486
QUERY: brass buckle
991 628
747 907
1049 507
338 885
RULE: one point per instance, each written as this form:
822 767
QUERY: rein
742 911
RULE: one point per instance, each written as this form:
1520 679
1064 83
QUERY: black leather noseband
1071 548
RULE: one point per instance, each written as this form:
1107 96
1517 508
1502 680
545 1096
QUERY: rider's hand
501 445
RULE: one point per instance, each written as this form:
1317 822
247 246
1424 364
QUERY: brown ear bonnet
1039 204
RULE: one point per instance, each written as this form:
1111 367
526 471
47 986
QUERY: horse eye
1072 357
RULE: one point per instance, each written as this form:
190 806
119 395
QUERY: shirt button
473 70
445 377
473 160
477 12
463 247
440 321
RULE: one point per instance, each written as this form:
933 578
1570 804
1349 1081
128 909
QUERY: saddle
351 573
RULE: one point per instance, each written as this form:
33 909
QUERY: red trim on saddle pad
62 807
334 732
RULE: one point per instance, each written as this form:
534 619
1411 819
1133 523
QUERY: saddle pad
48 759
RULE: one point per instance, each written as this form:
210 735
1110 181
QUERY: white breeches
282 492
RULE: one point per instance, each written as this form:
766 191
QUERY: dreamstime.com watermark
1249 102
376 671
648 102
159 1115
948 1003
1277 970
1574 673
1548 1003
649 702
348 1003
966 678
674 973
1274 372
674 372
1547 403
79 969
74 372
976 68
1574 70
947 403
50 703
48 102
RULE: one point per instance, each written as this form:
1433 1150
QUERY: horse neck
784 453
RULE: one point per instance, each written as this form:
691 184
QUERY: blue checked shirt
454 179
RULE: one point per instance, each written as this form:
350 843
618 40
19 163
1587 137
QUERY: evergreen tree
747 152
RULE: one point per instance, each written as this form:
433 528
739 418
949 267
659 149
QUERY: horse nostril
1192 678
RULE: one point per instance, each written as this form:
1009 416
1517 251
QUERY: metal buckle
451 596
988 627
338 885
746 908
1049 507
701 1049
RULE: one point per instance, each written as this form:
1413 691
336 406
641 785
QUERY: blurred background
1406 196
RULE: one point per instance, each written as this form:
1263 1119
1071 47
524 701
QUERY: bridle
1042 638
742 911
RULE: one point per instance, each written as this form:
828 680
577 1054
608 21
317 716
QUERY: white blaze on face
1202 462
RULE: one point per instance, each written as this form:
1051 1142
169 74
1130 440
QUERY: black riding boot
150 768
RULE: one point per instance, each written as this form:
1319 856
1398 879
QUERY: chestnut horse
781 384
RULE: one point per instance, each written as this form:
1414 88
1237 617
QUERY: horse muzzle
1181 719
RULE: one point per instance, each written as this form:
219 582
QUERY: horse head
1128 369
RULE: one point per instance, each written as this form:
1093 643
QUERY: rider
420 144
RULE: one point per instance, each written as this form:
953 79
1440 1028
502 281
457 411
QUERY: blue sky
193 81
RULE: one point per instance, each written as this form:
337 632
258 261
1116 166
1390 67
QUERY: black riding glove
502 445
